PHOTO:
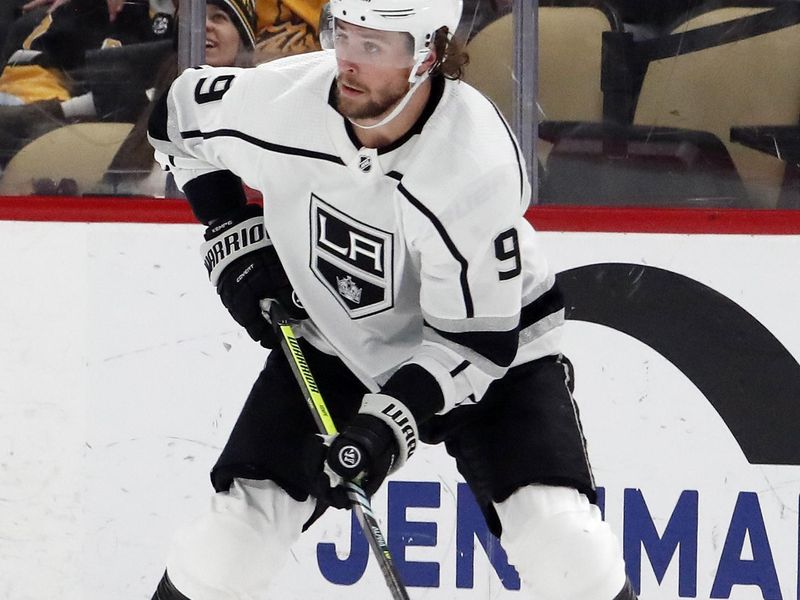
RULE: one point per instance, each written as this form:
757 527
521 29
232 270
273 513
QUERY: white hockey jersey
417 252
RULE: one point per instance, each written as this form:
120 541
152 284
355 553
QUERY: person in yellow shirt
287 27
230 33
40 68
45 82
41 88
37 70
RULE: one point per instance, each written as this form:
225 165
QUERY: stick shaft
319 410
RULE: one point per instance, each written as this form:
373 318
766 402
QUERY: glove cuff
399 419
227 241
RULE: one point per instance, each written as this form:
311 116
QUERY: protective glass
362 45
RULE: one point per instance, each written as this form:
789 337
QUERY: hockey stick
361 503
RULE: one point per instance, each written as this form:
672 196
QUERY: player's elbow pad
157 124
215 195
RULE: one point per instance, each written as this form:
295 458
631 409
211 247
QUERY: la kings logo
352 259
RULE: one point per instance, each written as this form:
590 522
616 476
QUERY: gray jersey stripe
473 324
476 359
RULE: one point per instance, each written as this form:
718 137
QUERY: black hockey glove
378 441
245 269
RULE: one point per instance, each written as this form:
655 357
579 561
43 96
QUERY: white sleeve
200 103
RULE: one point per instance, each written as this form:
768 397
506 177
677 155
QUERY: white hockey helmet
420 18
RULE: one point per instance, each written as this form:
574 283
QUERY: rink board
122 376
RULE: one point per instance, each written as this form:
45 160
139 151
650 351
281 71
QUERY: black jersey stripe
437 90
545 305
520 169
279 148
465 292
463 365
499 347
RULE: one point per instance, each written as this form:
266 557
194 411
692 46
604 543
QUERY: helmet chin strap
416 81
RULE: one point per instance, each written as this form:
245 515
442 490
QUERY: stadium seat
782 142
570 52
722 69
612 164
727 68
78 153
713 12
569 67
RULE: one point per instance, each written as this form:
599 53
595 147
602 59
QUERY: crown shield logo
348 289
352 259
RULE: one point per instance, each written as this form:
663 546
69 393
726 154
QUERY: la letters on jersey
353 260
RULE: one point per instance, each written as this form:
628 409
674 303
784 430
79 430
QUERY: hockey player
393 228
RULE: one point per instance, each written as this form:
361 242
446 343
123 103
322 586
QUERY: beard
372 106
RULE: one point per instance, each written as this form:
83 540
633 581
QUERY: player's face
222 38
373 70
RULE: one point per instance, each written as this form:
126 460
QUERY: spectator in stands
287 27
10 11
230 36
41 68
282 28
114 6
49 74
90 93
45 82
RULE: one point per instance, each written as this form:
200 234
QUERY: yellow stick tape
308 380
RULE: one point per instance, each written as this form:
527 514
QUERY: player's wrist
417 389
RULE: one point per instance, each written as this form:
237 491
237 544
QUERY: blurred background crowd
688 103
